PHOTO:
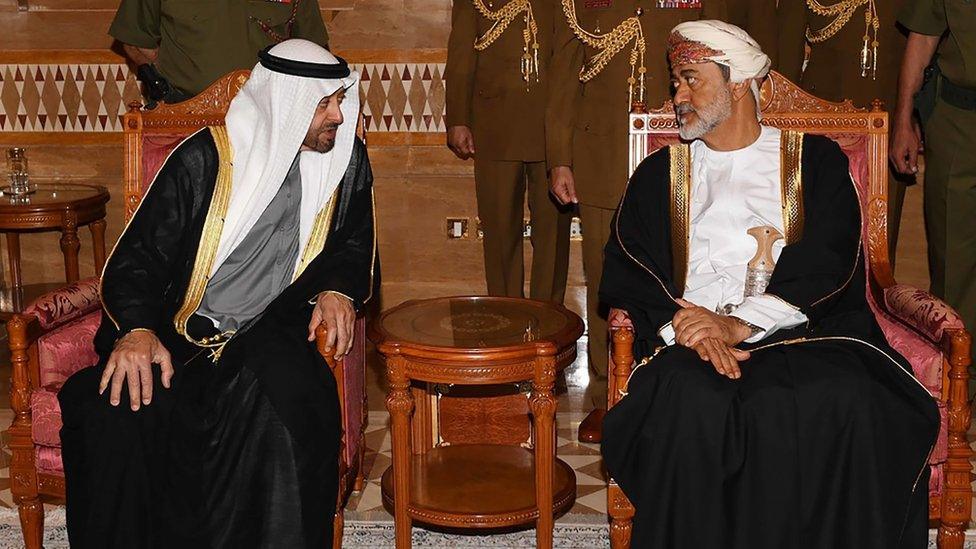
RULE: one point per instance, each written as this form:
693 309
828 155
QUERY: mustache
330 127
684 108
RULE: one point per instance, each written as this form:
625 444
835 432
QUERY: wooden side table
475 341
57 207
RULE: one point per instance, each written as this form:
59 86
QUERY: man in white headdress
767 409
211 420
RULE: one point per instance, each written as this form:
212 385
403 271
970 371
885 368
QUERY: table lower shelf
479 487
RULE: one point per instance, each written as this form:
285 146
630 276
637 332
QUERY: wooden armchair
53 337
919 326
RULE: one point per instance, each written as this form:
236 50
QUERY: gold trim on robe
791 184
209 238
680 156
318 235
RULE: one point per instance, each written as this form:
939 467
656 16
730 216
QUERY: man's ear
739 89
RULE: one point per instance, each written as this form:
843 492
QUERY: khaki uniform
586 125
833 71
950 143
486 92
201 41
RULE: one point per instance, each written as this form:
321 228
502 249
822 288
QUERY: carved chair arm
922 312
622 362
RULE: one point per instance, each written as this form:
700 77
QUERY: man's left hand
337 313
692 324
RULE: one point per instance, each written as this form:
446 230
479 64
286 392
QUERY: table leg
543 405
70 246
400 404
13 255
97 229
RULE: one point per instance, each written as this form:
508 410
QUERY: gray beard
708 118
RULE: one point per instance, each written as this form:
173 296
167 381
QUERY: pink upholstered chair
918 325
53 337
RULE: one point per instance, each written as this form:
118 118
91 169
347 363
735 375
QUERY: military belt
956 95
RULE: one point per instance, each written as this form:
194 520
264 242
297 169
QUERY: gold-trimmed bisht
501 19
842 12
608 45
213 226
791 184
798 340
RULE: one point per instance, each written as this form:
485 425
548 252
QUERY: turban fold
701 41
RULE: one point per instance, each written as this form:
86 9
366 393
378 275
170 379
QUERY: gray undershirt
262 265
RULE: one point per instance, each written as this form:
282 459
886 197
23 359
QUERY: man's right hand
906 144
562 185
461 141
131 361
724 359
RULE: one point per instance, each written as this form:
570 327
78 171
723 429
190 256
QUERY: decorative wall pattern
397 97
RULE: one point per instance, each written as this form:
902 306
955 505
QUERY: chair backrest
151 135
861 133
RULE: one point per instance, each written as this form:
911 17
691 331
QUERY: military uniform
487 92
950 141
833 71
203 40
586 123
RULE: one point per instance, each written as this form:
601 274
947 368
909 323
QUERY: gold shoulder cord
501 19
842 13
207 249
608 45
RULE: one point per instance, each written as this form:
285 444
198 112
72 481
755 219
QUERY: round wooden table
476 341
59 207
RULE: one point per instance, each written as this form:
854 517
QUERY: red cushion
66 304
46 416
67 349
49 460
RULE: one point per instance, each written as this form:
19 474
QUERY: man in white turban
767 409
211 420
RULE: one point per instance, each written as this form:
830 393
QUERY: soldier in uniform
497 81
949 123
855 52
601 66
180 48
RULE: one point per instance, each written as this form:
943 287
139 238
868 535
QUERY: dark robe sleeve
348 263
139 270
814 272
637 271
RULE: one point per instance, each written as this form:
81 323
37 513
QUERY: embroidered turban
701 41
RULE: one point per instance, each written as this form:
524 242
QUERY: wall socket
457 228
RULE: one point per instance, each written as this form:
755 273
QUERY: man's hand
692 324
619 319
906 144
140 56
562 185
461 141
337 313
131 361
724 358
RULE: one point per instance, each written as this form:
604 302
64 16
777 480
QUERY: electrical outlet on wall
526 228
457 228
479 231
